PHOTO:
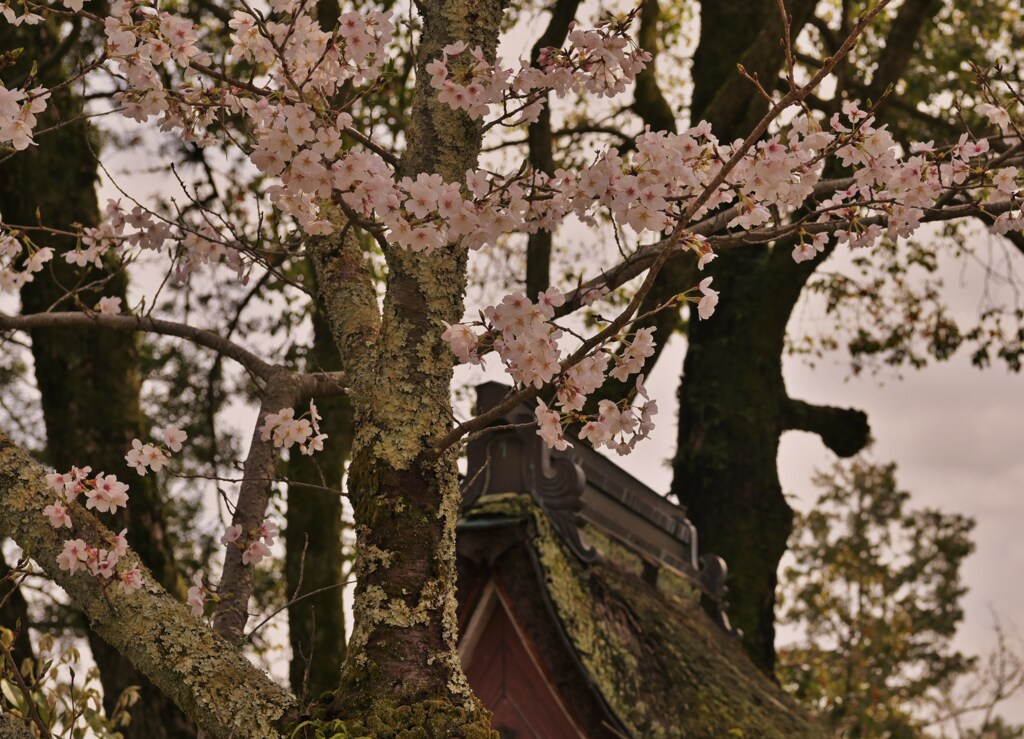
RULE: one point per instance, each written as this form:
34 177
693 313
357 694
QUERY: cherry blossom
269 530
109 306
231 534
106 494
255 553
286 430
71 483
145 456
57 515
73 556
549 427
173 437
663 191
18 109
119 543
131 580
708 300
142 457
197 593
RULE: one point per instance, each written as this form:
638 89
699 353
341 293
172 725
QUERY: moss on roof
664 668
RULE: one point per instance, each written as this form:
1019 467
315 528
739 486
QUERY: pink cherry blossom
106 494
119 543
196 599
131 580
708 300
173 437
268 530
231 534
73 556
255 553
109 306
57 515
550 427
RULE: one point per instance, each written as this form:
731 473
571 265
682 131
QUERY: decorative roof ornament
579 486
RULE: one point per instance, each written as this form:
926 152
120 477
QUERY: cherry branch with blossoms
668 182
247 538
106 493
155 631
702 201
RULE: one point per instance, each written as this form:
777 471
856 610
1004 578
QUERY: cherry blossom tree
919 64
283 95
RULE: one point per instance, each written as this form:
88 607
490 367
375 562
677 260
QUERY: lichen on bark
205 676
402 675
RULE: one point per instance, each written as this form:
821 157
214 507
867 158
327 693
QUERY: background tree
88 380
875 592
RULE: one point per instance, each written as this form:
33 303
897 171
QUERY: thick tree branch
732 104
345 286
323 383
253 497
845 431
206 677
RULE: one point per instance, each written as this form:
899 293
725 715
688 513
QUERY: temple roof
629 658
581 596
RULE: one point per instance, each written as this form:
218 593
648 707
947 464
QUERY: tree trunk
402 672
729 426
88 379
314 558
733 405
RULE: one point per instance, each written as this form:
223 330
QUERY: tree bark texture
402 672
206 677
733 405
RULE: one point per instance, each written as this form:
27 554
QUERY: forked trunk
402 671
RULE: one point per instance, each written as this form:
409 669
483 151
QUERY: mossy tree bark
207 678
88 379
402 670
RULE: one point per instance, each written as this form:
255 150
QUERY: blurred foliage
875 589
46 691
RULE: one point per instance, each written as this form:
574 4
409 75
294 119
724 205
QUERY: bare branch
253 498
319 384
200 336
